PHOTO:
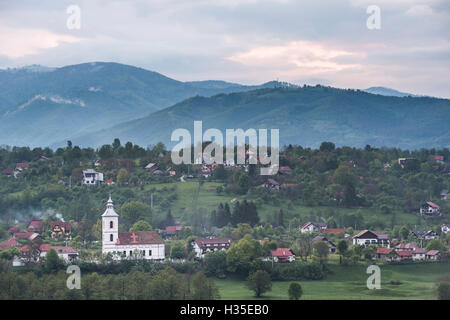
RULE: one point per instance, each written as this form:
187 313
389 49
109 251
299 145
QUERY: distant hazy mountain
41 105
388 92
305 116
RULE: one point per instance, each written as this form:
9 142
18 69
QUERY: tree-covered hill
305 116
40 106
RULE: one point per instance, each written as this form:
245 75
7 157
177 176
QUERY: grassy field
418 282
191 197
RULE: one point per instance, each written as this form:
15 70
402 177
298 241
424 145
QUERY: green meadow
192 196
417 282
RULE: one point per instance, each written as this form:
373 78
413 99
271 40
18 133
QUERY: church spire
110 209
110 203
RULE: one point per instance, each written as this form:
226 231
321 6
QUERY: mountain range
93 103
40 106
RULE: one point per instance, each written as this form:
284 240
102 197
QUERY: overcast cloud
245 41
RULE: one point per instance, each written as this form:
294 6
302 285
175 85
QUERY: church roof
139 237
110 212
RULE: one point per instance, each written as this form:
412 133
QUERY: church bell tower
110 227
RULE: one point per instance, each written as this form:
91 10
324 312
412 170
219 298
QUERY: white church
140 244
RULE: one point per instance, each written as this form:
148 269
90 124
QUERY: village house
285 170
158 173
391 255
14 229
446 170
36 226
432 255
417 253
310 227
204 245
172 231
110 182
367 237
171 172
11 242
404 255
402 161
425 234
10 172
271 184
282 255
437 159
151 166
21 166
92 177
385 254
61 230
445 228
66 254
445 195
331 245
430 209
140 244
26 236
328 231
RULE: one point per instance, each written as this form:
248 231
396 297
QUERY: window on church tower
111 224
111 237
149 252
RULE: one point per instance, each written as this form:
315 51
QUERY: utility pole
151 201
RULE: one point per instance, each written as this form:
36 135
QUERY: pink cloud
17 43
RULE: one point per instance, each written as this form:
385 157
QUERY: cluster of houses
406 252
20 167
156 171
59 230
401 251
35 255
150 245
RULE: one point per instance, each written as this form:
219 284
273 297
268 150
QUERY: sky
246 41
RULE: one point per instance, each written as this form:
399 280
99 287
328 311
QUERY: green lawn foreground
349 283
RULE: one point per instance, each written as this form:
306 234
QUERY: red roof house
14 229
35 226
26 235
11 242
282 255
332 230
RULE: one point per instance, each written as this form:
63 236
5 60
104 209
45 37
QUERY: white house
140 244
366 237
430 209
432 255
425 234
445 228
67 254
313 227
204 245
92 177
